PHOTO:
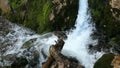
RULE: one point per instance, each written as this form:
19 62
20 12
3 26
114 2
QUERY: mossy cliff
107 25
106 18
43 15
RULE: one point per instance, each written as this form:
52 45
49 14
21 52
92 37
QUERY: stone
116 62
104 61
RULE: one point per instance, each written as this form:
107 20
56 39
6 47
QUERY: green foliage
34 14
106 24
15 4
104 61
103 18
37 16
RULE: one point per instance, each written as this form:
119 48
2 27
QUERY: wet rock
4 26
32 56
20 62
60 34
12 61
28 43
29 58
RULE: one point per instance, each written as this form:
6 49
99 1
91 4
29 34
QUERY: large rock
42 16
116 62
115 4
104 61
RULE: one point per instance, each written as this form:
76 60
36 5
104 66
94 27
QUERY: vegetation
106 24
104 61
34 14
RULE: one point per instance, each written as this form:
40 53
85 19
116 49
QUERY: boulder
116 62
104 61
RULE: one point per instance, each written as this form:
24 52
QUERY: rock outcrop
41 16
116 62
104 61
115 4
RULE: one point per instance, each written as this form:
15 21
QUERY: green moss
104 61
37 16
34 14
103 18
15 4
106 24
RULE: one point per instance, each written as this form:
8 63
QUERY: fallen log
59 45
58 60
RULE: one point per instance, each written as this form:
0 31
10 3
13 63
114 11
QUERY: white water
76 45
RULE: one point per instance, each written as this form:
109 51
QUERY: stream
76 44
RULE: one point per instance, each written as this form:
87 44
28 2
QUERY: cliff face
107 24
41 15
106 16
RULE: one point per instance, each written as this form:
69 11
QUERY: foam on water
77 43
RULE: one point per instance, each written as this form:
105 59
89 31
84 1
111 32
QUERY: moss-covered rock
29 43
43 15
104 61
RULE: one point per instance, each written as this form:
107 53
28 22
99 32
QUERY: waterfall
76 45
78 41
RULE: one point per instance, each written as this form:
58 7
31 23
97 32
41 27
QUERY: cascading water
76 45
